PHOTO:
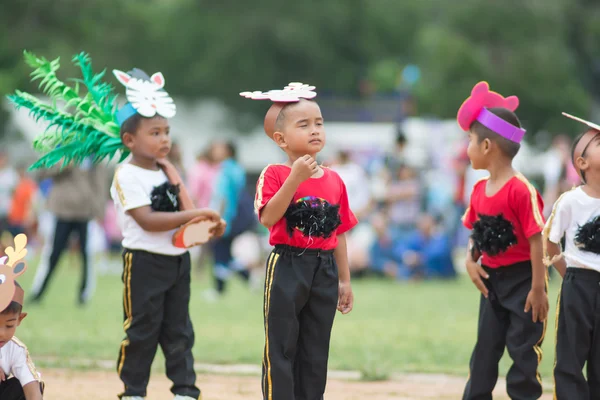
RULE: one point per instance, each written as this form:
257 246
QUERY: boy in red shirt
505 215
305 207
20 216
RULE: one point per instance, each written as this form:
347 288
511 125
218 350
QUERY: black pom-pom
587 237
493 234
164 198
313 217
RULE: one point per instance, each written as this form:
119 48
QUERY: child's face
8 326
477 151
220 152
426 225
589 163
303 131
151 140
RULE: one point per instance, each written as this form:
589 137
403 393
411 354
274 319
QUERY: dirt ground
100 385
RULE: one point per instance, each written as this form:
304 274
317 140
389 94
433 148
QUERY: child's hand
219 229
537 302
345 298
476 273
208 214
303 168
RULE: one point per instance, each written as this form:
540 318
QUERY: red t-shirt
22 201
329 188
521 204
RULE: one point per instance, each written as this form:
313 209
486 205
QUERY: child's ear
486 146
21 317
128 140
279 139
581 163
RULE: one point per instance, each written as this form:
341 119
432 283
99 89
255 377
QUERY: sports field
395 329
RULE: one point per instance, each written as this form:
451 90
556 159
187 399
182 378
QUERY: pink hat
475 108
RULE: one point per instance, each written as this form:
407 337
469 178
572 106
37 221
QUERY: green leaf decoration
83 126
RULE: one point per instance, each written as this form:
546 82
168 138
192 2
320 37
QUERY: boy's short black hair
232 149
13 308
400 137
575 143
281 117
131 124
508 147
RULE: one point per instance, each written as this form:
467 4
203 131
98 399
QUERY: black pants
156 302
11 389
504 323
223 260
578 336
301 293
62 233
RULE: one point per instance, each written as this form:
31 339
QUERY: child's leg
62 232
287 287
316 321
146 281
524 337
177 333
491 339
87 275
222 255
576 326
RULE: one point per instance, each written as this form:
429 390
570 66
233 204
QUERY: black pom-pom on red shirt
493 234
313 217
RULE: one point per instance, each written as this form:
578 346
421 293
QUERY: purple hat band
500 126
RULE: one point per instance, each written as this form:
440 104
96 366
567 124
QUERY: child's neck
592 187
145 163
293 157
500 171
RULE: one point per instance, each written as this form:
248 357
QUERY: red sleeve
346 215
470 216
528 206
267 185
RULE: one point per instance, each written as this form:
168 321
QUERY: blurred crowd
408 230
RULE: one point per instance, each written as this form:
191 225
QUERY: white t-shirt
572 210
15 361
8 182
132 188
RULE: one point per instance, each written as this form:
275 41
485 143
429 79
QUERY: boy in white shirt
19 379
157 217
576 215
156 273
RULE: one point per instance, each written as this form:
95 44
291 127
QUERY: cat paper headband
145 95
11 266
292 93
585 140
83 125
475 108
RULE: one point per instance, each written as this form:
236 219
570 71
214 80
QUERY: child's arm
553 252
156 221
475 271
32 391
273 211
537 299
345 296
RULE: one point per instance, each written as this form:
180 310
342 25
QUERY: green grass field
415 327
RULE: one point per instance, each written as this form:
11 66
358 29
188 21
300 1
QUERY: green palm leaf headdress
87 125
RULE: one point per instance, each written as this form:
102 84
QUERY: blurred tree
544 51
